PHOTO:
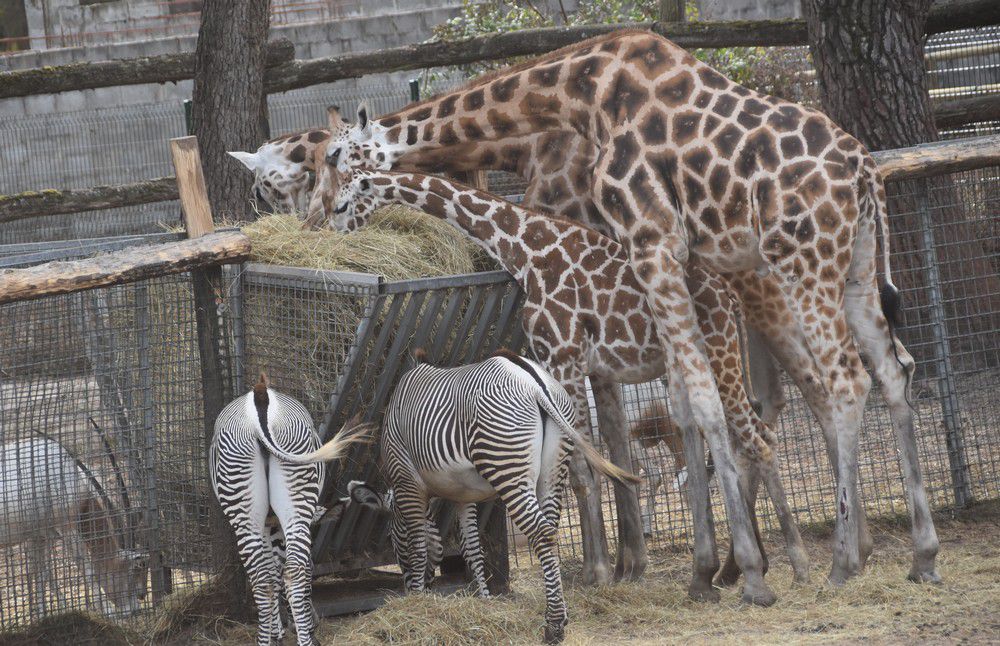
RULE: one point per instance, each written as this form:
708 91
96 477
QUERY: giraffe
284 169
691 164
584 313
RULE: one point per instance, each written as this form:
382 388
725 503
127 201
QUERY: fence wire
104 491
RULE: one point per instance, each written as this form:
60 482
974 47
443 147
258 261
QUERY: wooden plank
285 74
32 204
125 266
167 68
191 186
939 158
958 111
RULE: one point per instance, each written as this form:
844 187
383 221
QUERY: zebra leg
243 495
471 549
524 510
632 559
435 550
409 535
293 494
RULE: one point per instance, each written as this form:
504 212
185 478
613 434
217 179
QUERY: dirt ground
878 607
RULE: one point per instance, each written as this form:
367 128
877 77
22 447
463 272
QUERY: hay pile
398 243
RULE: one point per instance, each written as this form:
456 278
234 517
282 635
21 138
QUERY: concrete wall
748 9
116 135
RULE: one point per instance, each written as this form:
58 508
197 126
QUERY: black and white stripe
503 427
266 453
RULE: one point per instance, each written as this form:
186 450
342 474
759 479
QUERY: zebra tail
352 433
593 457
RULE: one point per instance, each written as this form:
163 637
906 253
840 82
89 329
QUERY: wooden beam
525 42
286 74
167 68
191 186
53 202
125 266
939 158
958 111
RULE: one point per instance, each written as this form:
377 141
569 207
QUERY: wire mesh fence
103 483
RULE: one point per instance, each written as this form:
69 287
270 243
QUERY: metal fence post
950 413
160 575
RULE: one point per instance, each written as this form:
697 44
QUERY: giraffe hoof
764 596
595 575
703 593
931 577
554 634
729 575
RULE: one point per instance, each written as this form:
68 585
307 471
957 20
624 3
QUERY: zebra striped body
266 453
503 427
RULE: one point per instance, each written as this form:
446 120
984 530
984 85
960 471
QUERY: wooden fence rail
286 74
904 163
128 265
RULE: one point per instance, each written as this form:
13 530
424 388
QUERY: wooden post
208 294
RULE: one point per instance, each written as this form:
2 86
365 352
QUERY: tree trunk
230 107
229 113
869 58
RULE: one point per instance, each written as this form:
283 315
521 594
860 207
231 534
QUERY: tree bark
230 107
869 58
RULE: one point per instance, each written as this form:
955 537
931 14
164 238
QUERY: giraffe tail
890 298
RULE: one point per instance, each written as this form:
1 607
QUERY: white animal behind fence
47 496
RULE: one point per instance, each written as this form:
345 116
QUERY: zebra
266 452
502 427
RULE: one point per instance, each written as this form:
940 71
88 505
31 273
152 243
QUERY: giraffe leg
468 519
596 559
706 556
847 384
871 330
632 558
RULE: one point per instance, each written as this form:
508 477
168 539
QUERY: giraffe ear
364 123
250 160
333 117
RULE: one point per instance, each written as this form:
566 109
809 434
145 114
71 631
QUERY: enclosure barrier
100 378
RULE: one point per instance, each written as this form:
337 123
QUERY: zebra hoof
554 634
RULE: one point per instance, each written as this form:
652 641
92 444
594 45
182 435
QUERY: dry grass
880 606
399 243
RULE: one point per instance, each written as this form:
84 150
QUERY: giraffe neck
564 91
495 225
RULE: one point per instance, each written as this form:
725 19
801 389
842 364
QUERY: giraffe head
356 199
284 170
362 145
